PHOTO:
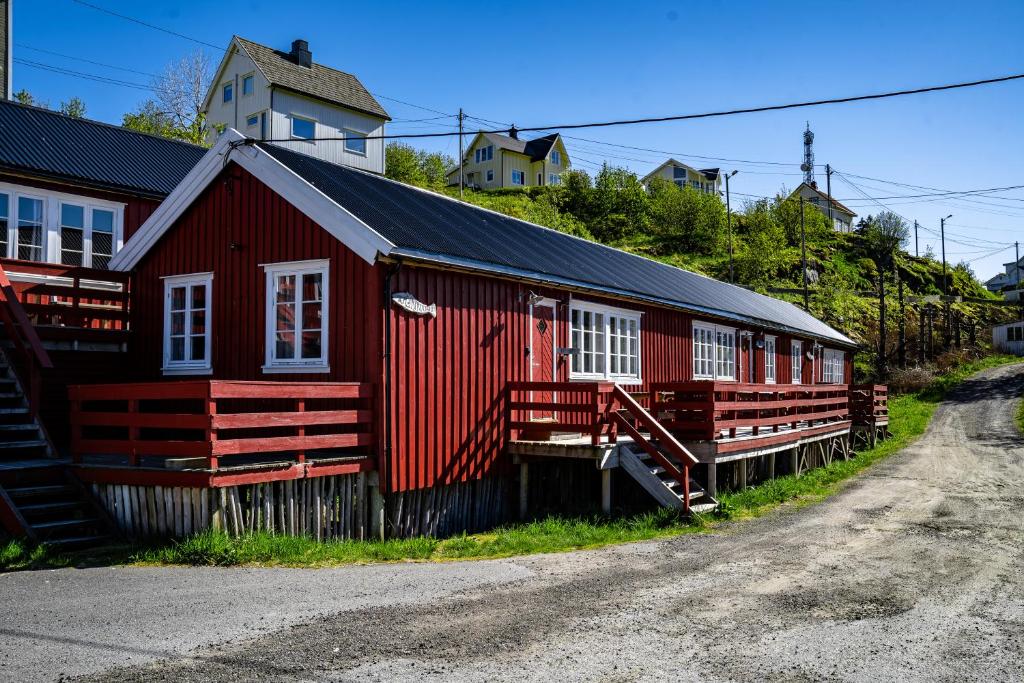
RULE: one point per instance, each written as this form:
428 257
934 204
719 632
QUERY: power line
145 23
83 59
81 74
944 193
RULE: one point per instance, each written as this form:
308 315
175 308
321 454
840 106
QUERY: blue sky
550 63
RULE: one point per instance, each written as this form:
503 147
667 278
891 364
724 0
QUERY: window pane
311 316
285 288
247 84
302 128
198 296
178 323
71 245
177 298
102 221
311 344
355 142
312 287
102 249
72 216
198 322
285 346
30 211
198 347
178 348
30 243
285 316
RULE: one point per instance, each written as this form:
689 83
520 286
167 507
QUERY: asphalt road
914 572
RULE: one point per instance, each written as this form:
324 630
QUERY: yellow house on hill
493 160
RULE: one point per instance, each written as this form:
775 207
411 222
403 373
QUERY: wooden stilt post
606 491
794 461
771 465
742 463
712 476
376 507
524 481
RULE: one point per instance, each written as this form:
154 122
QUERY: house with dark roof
73 190
842 216
706 180
493 160
320 350
270 94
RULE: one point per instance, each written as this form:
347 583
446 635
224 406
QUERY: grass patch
908 418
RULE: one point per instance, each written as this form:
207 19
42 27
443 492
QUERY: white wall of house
1009 338
331 121
234 114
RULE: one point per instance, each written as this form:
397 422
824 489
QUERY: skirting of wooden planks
446 510
324 508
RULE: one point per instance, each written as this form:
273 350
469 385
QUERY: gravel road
914 572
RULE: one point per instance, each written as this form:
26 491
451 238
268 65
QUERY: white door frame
553 305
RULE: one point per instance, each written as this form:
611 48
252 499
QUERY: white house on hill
842 217
704 180
268 94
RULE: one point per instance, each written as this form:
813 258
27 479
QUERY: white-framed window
1015 334
832 366
714 352
30 228
554 179
490 175
796 361
187 321
297 316
228 92
518 177
248 84
769 360
252 120
556 157
303 129
484 153
605 342
355 142
55 227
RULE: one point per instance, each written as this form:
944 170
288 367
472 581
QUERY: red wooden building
315 349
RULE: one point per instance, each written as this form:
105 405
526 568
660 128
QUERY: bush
911 380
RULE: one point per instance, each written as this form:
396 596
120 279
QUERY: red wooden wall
237 225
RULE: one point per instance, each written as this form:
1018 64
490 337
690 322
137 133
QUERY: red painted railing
869 404
55 296
712 410
540 408
29 356
213 419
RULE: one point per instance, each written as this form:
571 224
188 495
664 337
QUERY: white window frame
554 179
251 77
291 127
490 175
771 360
796 361
716 359
833 366
188 367
608 312
52 202
351 134
274 365
556 157
255 123
522 177
226 88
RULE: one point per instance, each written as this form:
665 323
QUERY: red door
542 355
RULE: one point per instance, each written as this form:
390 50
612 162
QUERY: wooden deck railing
29 358
711 410
61 296
545 407
213 419
869 404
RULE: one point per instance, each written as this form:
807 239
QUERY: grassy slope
909 416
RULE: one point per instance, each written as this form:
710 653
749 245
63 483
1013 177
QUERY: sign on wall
408 302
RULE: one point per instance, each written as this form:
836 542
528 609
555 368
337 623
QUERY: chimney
814 184
301 54
513 132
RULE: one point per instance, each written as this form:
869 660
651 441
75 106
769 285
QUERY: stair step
20 427
63 523
27 443
76 541
657 469
13 411
50 507
43 490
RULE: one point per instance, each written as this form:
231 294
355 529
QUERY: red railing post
133 432
300 431
210 410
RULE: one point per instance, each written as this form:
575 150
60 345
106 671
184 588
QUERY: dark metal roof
316 80
50 144
537 149
430 226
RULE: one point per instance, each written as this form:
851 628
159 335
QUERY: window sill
354 153
180 371
625 381
295 369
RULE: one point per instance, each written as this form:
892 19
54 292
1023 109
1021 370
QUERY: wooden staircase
39 499
655 459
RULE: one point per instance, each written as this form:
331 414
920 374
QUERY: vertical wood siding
234 228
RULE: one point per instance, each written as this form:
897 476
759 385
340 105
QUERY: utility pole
1016 278
803 254
461 153
903 323
945 282
920 336
828 189
916 252
728 219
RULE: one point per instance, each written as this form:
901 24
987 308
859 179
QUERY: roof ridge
319 64
94 122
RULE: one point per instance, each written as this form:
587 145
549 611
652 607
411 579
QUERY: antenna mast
808 166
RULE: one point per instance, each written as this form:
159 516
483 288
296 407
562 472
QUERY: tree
25 97
177 110
406 164
619 205
686 219
75 108
883 235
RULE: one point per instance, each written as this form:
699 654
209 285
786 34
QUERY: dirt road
914 572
